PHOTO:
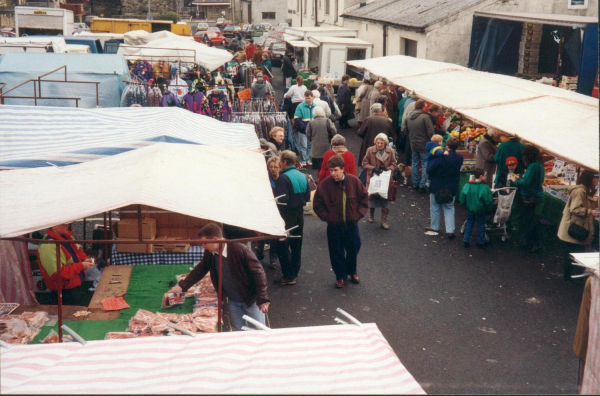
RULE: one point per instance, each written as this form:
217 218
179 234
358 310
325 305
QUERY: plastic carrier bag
504 209
379 184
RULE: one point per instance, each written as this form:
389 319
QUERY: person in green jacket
531 195
477 197
511 148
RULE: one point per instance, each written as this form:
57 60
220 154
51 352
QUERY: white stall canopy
561 122
171 47
229 186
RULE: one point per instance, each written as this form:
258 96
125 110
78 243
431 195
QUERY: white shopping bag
504 208
379 185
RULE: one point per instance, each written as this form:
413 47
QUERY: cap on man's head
259 75
512 161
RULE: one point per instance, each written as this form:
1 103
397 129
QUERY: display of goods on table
22 329
203 319
466 132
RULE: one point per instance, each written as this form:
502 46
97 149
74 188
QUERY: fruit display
553 182
549 166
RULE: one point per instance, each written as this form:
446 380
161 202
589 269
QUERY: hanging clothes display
196 102
220 105
254 105
142 69
134 94
155 97
178 87
245 74
264 122
169 99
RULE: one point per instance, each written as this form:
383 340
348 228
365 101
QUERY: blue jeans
303 147
473 218
344 244
436 213
416 159
239 309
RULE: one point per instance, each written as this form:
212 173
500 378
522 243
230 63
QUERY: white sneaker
309 163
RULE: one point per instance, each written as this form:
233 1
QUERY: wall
277 6
371 32
395 44
308 17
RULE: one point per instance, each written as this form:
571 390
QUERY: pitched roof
411 14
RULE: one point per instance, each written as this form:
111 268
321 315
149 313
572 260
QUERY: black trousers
289 251
343 241
569 270
80 295
344 120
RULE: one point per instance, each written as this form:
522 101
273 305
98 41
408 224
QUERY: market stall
562 123
46 136
170 47
106 69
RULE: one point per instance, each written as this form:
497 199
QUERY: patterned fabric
195 102
591 375
142 70
16 282
193 255
220 106
169 100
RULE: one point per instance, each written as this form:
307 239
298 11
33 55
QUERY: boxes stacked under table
529 48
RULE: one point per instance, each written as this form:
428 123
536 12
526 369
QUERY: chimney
363 3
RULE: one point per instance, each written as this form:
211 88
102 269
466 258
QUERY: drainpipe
385 36
301 12
316 15
336 13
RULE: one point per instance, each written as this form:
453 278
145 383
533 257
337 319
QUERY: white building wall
336 8
543 7
371 32
279 7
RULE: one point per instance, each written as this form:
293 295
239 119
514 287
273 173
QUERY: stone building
139 8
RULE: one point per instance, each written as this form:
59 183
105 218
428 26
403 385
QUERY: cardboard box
128 228
134 248
175 247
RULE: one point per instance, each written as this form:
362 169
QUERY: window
327 7
268 15
410 47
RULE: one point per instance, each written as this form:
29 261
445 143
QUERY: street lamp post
149 16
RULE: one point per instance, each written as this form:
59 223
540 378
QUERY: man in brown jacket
341 200
244 280
373 126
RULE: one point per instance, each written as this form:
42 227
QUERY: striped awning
44 136
342 359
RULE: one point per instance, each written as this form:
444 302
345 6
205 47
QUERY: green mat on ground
147 285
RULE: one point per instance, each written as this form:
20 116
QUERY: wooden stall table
113 283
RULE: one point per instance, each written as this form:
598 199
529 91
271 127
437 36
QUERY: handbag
575 231
443 196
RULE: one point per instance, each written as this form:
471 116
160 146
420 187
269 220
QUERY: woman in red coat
338 147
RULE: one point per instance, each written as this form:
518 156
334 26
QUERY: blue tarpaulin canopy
107 69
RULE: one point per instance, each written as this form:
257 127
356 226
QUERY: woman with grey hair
484 157
319 132
338 147
379 158
374 94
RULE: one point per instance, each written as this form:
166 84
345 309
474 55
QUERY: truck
34 21
112 25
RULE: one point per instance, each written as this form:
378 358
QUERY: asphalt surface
461 320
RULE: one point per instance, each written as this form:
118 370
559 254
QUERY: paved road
460 320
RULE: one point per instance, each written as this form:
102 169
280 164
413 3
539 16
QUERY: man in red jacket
73 263
250 48
341 200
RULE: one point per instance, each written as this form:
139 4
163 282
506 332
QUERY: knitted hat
512 161
259 76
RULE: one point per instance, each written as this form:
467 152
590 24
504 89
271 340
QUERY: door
249 12
337 62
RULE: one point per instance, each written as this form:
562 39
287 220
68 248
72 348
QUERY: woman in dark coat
343 101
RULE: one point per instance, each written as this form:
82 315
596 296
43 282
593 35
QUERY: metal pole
220 291
139 219
109 253
85 231
59 293
149 16
106 246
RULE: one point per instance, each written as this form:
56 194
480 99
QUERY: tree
170 16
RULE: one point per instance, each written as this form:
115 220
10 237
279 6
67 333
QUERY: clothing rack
264 122
254 106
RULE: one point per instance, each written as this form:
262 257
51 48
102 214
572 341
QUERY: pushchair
499 213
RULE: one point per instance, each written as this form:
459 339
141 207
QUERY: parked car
201 27
7 33
223 23
230 31
216 36
283 25
79 27
277 50
247 31
267 26
257 30
94 44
